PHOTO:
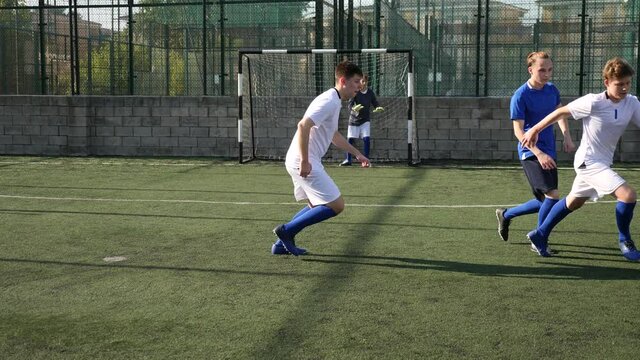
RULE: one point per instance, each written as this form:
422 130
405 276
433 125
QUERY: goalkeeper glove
378 109
357 107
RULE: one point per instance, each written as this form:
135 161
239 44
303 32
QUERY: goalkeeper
360 117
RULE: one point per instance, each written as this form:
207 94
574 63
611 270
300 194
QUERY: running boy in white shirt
604 116
316 131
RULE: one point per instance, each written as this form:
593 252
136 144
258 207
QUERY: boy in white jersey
316 131
604 116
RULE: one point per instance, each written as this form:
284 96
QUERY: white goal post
276 85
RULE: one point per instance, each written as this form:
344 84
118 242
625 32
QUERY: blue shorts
542 181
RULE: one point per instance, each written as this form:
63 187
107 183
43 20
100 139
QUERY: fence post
204 47
222 47
43 58
583 23
319 45
130 43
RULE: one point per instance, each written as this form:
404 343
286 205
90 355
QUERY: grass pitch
412 269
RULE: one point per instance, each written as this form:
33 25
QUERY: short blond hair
535 55
617 68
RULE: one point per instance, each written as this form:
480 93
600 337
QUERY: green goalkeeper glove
357 107
378 109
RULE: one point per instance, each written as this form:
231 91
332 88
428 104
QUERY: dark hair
347 70
617 68
535 55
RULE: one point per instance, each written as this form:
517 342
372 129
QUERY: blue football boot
629 250
539 243
286 240
278 249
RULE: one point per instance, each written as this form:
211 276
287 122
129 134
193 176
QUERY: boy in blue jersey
360 117
530 103
605 116
316 131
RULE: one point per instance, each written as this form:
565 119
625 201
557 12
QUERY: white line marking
228 163
178 201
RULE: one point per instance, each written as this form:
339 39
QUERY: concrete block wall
446 128
124 126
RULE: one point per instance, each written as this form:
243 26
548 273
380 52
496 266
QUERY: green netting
189 47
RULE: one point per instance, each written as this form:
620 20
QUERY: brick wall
127 126
447 128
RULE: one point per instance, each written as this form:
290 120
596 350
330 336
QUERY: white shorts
361 131
595 181
318 188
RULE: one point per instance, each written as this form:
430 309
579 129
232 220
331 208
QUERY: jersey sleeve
318 110
581 107
517 107
636 114
558 100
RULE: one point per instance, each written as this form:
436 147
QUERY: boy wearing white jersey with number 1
317 130
605 117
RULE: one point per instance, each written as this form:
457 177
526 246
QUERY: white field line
381 165
251 203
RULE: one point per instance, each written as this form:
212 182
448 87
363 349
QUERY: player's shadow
560 271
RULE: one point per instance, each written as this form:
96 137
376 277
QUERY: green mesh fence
189 47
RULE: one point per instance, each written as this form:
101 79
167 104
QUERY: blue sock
351 141
558 212
367 145
301 212
546 206
297 215
624 214
530 207
310 217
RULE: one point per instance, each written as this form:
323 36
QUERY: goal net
275 87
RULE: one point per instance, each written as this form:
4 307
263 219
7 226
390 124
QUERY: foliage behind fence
189 47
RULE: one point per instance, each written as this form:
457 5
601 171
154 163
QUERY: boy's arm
546 161
304 129
530 138
342 143
567 142
374 99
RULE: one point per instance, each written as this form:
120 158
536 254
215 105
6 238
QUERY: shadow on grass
272 221
186 191
152 267
560 271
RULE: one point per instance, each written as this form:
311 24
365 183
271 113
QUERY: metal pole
583 24
222 48
167 60
71 50
319 44
478 28
377 23
204 47
43 49
130 43
486 49
350 25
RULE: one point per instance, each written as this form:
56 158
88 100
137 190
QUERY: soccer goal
276 86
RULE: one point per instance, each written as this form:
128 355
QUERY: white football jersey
324 111
603 123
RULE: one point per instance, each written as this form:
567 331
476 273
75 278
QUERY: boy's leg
318 187
504 216
545 208
367 145
366 137
278 247
624 214
540 236
347 160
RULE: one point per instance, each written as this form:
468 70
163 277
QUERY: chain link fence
189 47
